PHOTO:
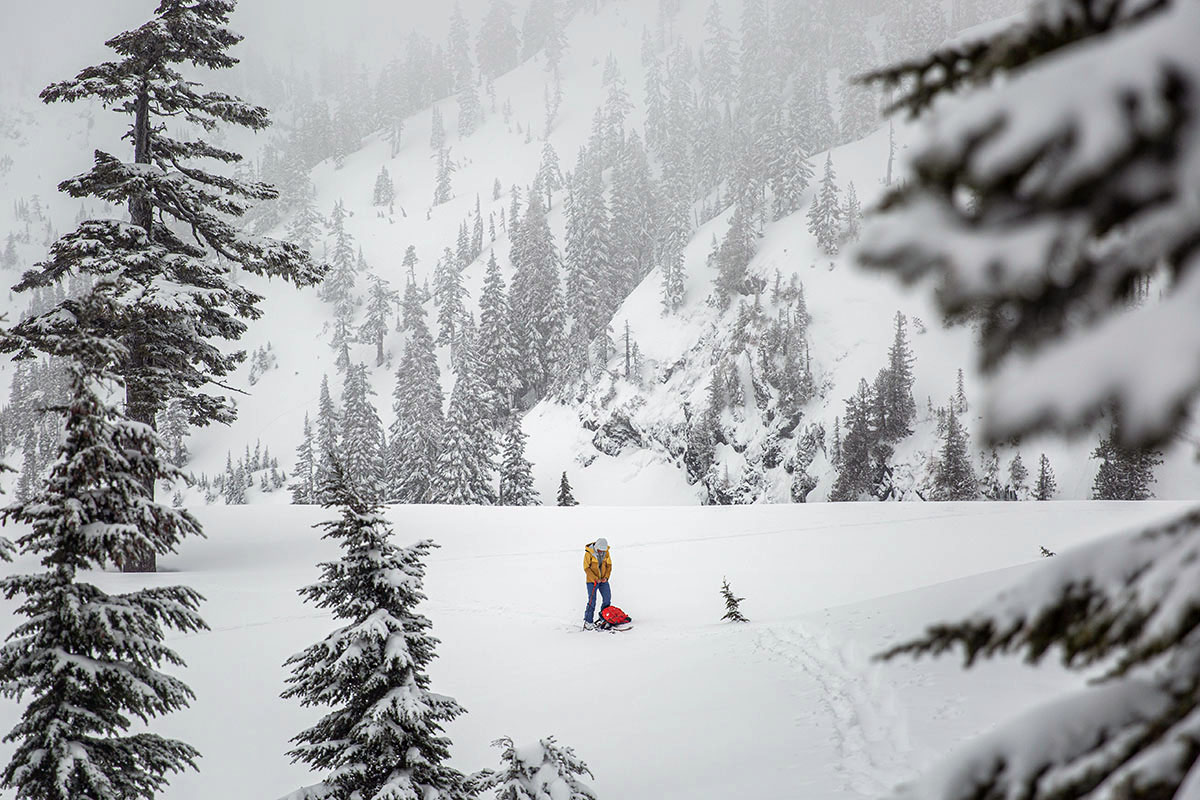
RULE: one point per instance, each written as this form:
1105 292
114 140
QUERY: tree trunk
140 405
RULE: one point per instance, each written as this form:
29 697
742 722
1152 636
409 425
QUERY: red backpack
613 616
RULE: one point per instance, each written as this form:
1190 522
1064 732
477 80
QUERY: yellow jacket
596 571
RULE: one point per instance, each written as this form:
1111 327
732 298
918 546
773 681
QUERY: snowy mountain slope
852 311
682 706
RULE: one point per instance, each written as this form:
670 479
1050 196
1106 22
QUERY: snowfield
683 706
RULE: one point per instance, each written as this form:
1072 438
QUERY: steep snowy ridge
620 443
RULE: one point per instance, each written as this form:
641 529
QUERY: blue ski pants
605 595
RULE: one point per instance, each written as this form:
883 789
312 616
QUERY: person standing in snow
597 566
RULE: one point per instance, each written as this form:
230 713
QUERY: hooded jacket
597 570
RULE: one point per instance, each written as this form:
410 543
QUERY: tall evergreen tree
416 430
543 30
536 299
458 49
90 660
498 353
516 473
634 217
174 428
1046 486
586 258
448 294
734 256
361 436
825 213
1125 473
304 490
338 287
169 353
437 131
720 78
470 112
443 192
566 497
860 466
382 735
955 477
900 409
790 170
384 192
989 481
465 471
378 311
498 48
675 226
549 175
328 427
1018 479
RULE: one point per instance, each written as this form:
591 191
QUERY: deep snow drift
683 706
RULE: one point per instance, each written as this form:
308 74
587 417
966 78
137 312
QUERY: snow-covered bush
542 771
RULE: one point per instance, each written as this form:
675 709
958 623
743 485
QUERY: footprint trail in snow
869 726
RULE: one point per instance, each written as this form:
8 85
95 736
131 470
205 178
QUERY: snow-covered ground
684 705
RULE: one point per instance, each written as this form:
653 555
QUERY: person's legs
605 595
591 604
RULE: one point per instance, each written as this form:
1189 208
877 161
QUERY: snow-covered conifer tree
565 496
734 256
733 604
338 286
1018 479
900 409
458 49
89 661
721 75
536 299
634 217
382 735
498 354
328 426
361 435
380 298
955 477
825 213
176 297
1125 473
469 110
1070 209
989 481
516 473
416 430
443 191
384 192
859 464
304 488
448 294
498 48
790 170
587 260
549 175
437 131
464 473
545 770
1046 486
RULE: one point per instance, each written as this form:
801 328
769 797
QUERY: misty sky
47 40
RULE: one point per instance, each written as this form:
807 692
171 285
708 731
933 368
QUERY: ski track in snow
870 730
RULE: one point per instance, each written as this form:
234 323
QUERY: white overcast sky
46 40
